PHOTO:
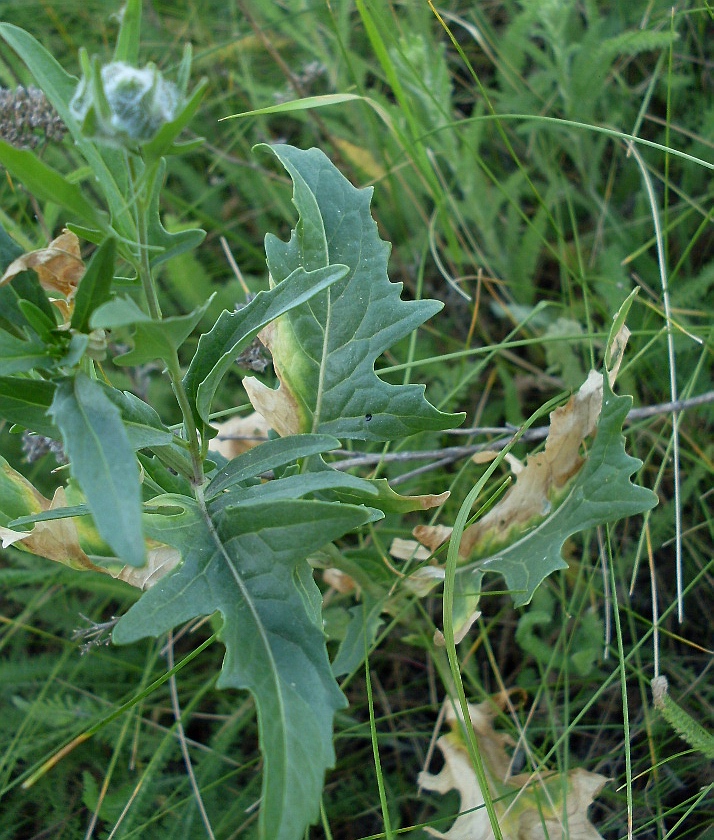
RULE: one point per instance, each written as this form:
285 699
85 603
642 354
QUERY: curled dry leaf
460 631
59 266
539 483
429 500
340 581
402 549
61 540
55 539
160 560
434 536
530 806
239 434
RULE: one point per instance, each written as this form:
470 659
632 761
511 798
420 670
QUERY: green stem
142 224
142 186
189 424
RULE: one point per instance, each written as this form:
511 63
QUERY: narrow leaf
103 463
94 288
324 353
303 104
47 184
293 487
268 456
127 48
17 355
163 144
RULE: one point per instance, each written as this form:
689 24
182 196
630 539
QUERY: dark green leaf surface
94 289
268 456
362 630
9 249
103 463
17 355
26 402
325 352
218 349
601 492
23 287
244 565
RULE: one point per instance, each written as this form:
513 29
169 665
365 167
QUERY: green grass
497 143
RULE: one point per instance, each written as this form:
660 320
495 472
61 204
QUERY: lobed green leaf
601 492
324 353
248 564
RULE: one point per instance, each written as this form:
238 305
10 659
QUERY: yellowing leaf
540 481
530 806
55 539
361 158
59 266
160 560
64 540
279 407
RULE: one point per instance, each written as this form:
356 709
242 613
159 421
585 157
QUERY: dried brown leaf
340 581
160 560
55 539
530 806
239 434
541 480
59 266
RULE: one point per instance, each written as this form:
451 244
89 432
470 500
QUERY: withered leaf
59 266
542 805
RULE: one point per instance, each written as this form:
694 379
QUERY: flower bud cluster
27 118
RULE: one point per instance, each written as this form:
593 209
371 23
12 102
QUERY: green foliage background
532 232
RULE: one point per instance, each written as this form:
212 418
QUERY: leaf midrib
274 673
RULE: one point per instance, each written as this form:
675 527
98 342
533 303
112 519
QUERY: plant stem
174 370
142 186
142 224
